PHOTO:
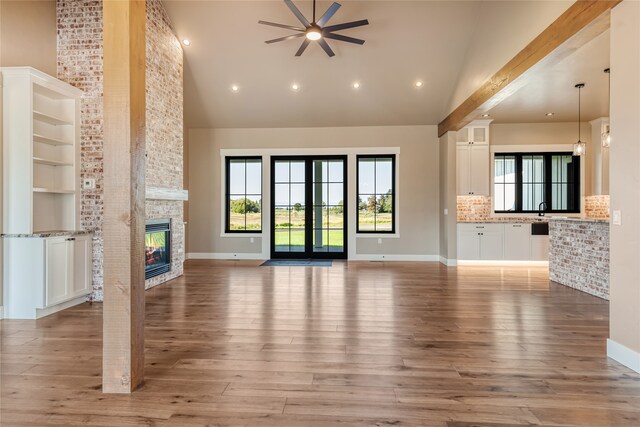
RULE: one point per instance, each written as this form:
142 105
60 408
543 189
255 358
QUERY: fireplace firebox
157 248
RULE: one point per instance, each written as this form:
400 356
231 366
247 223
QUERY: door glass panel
328 200
289 209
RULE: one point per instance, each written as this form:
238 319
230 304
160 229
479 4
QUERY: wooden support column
124 194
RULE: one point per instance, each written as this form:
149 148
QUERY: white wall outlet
446 211
617 218
252 240
379 241
89 184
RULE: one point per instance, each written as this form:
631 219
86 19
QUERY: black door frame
308 226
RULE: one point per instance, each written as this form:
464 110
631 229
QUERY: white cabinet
45 274
472 159
497 241
516 241
480 241
41 145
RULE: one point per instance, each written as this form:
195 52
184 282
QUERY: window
244 195
522 181
376 194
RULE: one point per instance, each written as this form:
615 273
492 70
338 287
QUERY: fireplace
157 248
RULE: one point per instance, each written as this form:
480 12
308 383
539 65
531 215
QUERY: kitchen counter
579 254
50 233
507 219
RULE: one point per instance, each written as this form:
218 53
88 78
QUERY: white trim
253 152
245 235
385 257
504 262
448 262
1 312
538 148
226 256
623 355
377 236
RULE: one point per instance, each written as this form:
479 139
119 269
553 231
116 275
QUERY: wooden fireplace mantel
161 193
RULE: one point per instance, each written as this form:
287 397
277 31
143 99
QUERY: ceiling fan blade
303 47
342 38
324 45
281 39
345 26
329 14
288 27
297 12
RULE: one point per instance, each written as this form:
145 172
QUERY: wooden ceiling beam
579 24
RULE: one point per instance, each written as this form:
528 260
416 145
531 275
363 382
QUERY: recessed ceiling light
295 86
419 83
186 42
486 115
356 85
235 88
550 114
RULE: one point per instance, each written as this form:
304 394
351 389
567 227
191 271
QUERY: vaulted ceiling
406 41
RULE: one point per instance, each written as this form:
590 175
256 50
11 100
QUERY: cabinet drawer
480 227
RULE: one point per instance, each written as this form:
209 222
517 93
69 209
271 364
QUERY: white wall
503 29
417 186
538 133
624 306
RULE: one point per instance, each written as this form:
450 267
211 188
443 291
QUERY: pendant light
579 147
606 135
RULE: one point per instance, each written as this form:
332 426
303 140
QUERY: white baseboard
376 257
623 355
225 256
448 262
358 257
504 263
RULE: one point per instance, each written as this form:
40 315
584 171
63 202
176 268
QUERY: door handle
71 239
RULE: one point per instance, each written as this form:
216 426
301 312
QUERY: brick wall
579 255
164 133
80 64
596 207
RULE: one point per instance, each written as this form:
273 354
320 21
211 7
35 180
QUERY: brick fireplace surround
80 64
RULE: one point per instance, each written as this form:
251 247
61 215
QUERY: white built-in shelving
41 152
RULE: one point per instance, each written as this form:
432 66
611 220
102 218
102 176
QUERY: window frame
227 221
393 158
548 183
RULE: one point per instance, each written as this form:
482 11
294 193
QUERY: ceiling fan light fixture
313 33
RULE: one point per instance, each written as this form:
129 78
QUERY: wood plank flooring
357 344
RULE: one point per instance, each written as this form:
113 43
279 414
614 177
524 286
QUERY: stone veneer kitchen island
579 254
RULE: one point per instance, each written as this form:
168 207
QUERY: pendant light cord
579 113
314 11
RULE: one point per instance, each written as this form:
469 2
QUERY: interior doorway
309 207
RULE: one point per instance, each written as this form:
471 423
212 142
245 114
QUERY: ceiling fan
317 30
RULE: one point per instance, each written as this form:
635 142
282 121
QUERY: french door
309 207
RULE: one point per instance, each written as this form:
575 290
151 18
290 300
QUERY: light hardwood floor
232 343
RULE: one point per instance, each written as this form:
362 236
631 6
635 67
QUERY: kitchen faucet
541 209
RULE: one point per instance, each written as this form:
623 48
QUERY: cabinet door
491 245
539 248
479 170
479 135
81 266
468 245
463 162
516 241
58 270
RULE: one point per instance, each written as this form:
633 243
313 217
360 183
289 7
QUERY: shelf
51 141
52 190
50 119
48 162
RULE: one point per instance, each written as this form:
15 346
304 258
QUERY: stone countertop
507 220
51 233
579 219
